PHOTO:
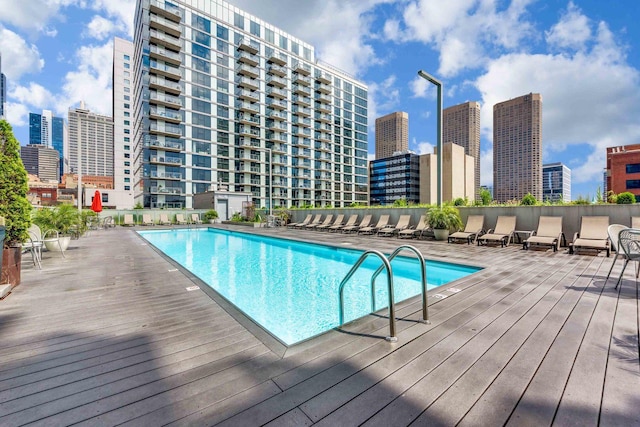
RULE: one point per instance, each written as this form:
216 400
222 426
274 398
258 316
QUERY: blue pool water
291 288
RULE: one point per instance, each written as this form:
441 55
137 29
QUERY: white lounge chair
503 233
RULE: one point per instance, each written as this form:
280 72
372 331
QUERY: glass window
238 20
223 60
200 119
127 187
127 122
126 57
202 38
222 32
127 163
127 74
127 155
127 81
127 66
127 147
269 35
307 54
127 131
127 172
295 48
201 65
127 114
200 51
222 46
201 23
126 139
202 175
127 98
223 86
201 79
202 106
254 28
223 73
200 92
202 147
223 111
284 43
201 161
223 124
633 184
633 168
223 98
126 106
127 180
201 133
127 90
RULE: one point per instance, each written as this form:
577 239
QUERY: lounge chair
635 222
629 242
128 220
592 235
613 231
503 233
366 220
34 245
382 223
195 219
416 231
337 222
164 219
549 233
403 224
146 219
325 223
180 219
474 227
351 221
306 221
315 221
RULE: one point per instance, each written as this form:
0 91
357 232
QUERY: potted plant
210 216
61 219
14 206
444 219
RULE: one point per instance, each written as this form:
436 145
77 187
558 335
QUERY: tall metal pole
438 85
270 183
79 165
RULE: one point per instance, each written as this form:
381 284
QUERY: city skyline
573 54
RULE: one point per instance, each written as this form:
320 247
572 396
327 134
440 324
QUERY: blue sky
582 56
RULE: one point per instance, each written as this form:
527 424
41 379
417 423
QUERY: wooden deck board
81 342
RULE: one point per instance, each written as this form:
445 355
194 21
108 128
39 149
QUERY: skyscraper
123 166
50 131
461 125
395 177
392 134
3 91
517 148
41 161
556 183
92 135
225 99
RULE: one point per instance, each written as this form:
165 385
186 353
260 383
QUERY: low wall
118 214
527 216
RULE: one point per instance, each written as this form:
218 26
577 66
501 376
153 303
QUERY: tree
528 200
14 206
485 195
626 198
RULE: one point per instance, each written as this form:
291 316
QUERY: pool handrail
385 265
423 275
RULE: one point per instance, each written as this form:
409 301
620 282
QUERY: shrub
485 196
60 218
138 206
444 217
209 215
528 200
626 198
400 203
236 217
460 202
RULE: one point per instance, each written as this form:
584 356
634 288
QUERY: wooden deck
111 335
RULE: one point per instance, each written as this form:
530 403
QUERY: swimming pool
290 288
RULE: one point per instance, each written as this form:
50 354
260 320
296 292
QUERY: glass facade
556 183
395 178
224 99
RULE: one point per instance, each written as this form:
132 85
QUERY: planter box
53 246
245 224
11 264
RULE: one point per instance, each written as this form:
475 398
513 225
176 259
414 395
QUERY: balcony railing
302 68
249 45
161 81
165 98
165 175
172 10
173 71
167 160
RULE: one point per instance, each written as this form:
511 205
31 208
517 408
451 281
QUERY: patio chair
181 220
503 233
592 235
303 223
146 219
327 222
549 233
403 223
128 220
613 231
34 245
416 231
366 220
629 242
635 222
317 219
195 219
339 220
164 219
108 223
382 223
351 221
50 238
474 227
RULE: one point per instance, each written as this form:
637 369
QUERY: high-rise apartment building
461 126
91 139
623 169
392 134
517 148
556 183
457 175
3 91
394 178
226 100
41 161
123 157
50 131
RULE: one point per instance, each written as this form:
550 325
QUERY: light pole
438 84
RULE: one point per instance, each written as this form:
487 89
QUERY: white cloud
486 167
100 28
572 31
17 114
423 147
18 56
421 88
121 13
383 99
32 15
33 95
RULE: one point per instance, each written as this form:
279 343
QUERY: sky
582 56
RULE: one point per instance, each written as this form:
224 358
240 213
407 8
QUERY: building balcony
279 148
324 118
279 160
250 119
323 136
164 69
157 82
302 111
247 58
162 160
302 131
277 104
248 107
324 167
164 143
301 121
324 176
167 129
166 115
301 142
323 88
245 141
159 52
280 137
324 156
302 68
323 77
277 58
323 107
248 83
277 70
277 126
302 152
279 171
277 93
160 37
323 97
247 70
164 99
249 45
324 126
277 115
248 131
301 100
165 190
248 95
167 10
165 175
164 24
301 79
276 81
301 90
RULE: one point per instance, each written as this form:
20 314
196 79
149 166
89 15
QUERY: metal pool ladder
386 265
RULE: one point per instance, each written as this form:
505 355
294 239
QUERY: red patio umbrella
96 205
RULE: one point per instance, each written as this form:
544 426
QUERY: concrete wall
527 216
